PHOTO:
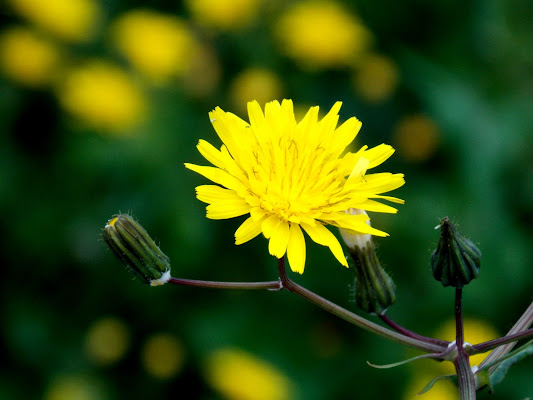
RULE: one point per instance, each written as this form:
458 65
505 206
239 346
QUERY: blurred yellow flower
203 75
163 356
158 45
74 387
224 14
475 331
258 84
103 96
238 375
107 340
292 177
441 390
416 137
375 78
321 34
71 20
28 58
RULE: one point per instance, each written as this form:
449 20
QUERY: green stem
523 323
492 344
354 318
465 377
272 285
407 332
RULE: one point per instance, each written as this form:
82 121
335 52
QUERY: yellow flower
238 375
290 175
158 45
255 83
224 14
103 96
319 34
376 78
28 58
72 20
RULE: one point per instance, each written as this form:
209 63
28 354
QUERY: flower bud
136 249
375 291
456 261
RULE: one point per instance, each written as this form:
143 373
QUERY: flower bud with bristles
456 261
375 291
136 249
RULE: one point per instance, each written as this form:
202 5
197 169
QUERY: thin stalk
404 331
354 318
271 285
492 344
465 377
523 323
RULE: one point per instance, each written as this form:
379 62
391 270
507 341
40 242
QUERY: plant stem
354 318
492 344
272 285
407 332
521 325
465 377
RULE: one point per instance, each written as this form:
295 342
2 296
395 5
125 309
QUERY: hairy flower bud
456 261
375 291
136 249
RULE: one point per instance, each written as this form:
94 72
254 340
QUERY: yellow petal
296 249
379 154
355 223
218 176
248 230
213 193
269 225
277 246
227 209
321 235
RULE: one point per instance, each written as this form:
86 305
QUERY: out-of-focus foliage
101 103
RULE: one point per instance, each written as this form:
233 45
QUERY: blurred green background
101 103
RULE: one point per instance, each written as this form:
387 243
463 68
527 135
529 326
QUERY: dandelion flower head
292 177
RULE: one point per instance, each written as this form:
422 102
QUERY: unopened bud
375 291
136 249
457 260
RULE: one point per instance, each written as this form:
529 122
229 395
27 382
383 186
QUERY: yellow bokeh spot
224 14
255 84
320 34
203 75
237 375
72 20
163 356
441 390
102 96
74 387
416 138
376 78
158 45
107 340
475 332
28 58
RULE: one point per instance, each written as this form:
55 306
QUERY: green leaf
396 364
506 362
451 378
